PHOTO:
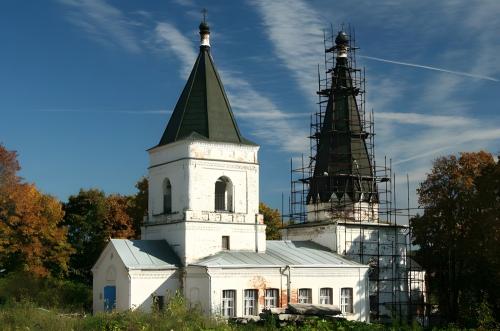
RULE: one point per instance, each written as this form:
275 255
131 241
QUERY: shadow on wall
158 299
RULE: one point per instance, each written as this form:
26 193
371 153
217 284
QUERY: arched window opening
223 194
167 196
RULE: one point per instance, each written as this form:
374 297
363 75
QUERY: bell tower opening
223 194
167 196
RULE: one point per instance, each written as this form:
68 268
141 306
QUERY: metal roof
203 107
146 254
280 253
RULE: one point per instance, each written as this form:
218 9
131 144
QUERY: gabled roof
203 106
146 254
279 253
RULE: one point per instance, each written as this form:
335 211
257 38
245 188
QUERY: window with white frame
228 303
271 298
250 302
305 295
223 194
325 296
346 300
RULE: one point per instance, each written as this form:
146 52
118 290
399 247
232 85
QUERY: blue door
109 298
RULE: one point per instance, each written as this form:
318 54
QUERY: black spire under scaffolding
339 196
343 169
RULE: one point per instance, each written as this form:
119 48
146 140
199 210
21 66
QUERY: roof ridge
194 71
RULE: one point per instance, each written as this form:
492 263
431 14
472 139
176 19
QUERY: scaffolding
365 214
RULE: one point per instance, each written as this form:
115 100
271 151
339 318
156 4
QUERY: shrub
45 292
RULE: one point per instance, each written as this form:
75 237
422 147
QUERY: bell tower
203 174
343 184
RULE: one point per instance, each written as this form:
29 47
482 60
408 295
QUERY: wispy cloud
425 119
272 115
171 40
460 73
135 112
480 134
296 34
437 118
268 122
103 23
185 3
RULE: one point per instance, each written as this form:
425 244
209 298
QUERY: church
204 237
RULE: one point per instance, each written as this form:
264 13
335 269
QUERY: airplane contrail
460 73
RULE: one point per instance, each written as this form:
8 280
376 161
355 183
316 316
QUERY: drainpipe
288 282
256 233
209 291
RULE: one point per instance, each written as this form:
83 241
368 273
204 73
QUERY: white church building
204 236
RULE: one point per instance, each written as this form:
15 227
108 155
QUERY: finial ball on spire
342 39
204 31
204 28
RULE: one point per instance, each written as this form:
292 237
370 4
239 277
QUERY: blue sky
87 86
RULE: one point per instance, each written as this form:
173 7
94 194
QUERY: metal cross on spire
204 11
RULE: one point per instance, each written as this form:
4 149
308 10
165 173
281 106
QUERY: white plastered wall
193 167
192 240
198 288
325 235
145 284
194 229
110 271
239 279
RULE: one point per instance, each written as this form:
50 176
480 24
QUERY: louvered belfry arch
343 168
203 110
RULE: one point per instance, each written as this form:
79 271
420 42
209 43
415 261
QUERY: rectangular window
305 295
225 243
250 302
346 300
228 301
325 296
271 298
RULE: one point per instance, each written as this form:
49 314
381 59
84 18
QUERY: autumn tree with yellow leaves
31 236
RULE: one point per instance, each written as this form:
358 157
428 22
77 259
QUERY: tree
272 219
92 219
9 166
31 236
458 232
139 204
117 221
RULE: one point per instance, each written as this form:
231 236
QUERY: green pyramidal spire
203 110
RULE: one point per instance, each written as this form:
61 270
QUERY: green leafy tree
272 219
458 233
138 207
92 219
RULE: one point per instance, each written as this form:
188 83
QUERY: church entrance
109 298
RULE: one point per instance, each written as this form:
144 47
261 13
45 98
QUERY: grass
28 303
26 315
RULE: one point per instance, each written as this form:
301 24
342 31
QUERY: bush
45 292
